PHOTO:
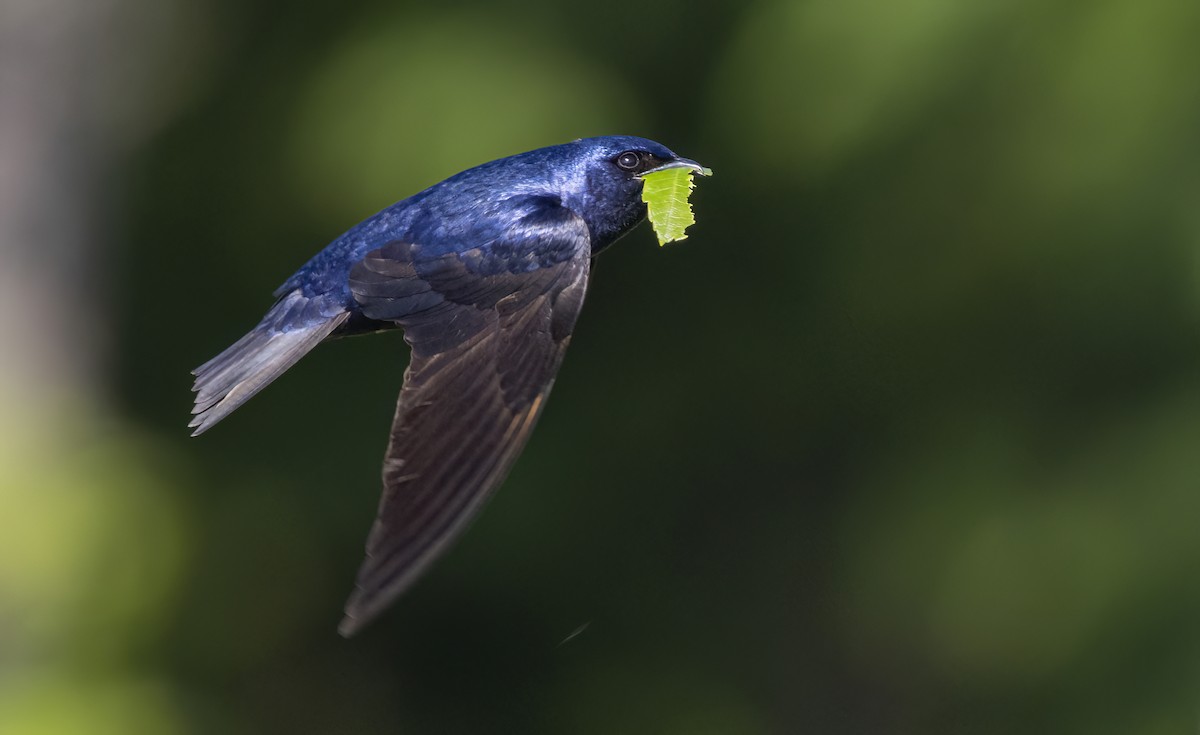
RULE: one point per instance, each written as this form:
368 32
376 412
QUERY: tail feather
250 364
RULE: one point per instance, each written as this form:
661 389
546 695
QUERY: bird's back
472 209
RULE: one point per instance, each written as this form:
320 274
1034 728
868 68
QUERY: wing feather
487 342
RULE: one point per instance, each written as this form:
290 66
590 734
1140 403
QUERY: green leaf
666 194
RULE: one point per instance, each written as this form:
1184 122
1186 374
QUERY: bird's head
602 181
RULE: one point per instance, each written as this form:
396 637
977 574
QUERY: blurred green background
905 438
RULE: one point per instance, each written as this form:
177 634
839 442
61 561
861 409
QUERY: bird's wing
488 329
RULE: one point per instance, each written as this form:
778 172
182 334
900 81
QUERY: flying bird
485 273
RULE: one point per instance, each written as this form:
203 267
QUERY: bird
485 273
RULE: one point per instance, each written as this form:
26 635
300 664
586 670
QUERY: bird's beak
680 163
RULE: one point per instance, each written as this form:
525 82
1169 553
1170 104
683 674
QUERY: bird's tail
289 330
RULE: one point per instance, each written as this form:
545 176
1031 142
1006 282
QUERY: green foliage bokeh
902 439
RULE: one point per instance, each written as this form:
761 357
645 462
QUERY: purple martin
485 273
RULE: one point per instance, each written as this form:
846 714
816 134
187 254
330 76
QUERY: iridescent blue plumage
471 208
485 272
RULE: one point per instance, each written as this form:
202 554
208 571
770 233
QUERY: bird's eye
629 160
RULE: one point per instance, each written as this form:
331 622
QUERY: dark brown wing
486 344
